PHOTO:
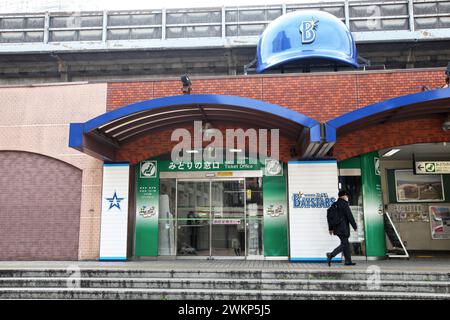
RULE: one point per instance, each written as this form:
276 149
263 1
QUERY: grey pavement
397 265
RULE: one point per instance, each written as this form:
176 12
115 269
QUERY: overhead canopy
102 135
403 107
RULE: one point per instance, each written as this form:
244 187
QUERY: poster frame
418 176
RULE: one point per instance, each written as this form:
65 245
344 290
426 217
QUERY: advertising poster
147 209
416 188
114 224
440 222
409 212
313 187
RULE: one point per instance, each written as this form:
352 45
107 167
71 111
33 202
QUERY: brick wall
159 143
422 130
40 207
321 96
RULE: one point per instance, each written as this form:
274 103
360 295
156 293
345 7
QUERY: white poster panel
114 225
313 187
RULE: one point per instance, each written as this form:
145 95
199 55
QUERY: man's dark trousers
343 247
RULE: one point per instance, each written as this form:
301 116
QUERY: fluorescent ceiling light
235 150
391 152
191 151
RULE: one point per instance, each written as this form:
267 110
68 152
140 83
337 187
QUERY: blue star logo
114 201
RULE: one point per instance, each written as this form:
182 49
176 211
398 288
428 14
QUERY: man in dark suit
342 230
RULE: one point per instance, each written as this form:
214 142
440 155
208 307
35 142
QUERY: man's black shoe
329 259
350 264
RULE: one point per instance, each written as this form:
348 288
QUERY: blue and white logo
313 200
114 201
308 30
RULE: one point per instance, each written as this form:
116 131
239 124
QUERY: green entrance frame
275 220
372 202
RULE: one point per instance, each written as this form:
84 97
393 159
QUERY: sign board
313 187
170 166
147 209
114 224
408 212
375 237
226 221
432 167
275 215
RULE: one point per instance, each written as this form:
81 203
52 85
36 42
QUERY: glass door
255 217
193 215
228 232
213 218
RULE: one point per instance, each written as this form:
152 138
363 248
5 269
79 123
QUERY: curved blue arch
412 100
80 136
192 99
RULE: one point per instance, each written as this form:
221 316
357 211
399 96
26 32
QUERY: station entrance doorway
212 217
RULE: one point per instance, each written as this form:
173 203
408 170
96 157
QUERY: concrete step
208 294
222 274
437 287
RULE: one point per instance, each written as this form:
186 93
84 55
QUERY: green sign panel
147 208
275 215
170 166
147 201
373 205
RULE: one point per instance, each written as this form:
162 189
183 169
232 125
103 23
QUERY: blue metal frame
190 99
78 129
387 105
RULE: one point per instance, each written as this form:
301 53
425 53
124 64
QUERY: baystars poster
313 187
